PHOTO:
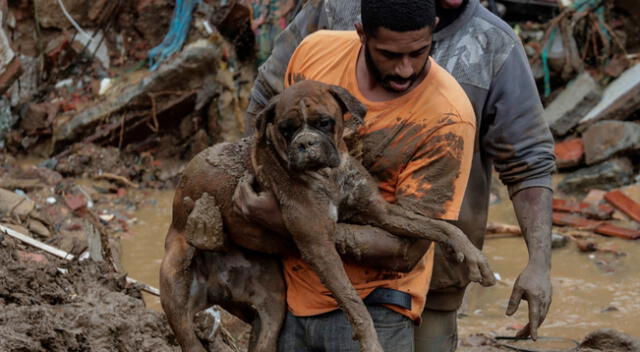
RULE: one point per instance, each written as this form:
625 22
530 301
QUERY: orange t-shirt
418 147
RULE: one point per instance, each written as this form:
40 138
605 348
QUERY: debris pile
586 61
81 76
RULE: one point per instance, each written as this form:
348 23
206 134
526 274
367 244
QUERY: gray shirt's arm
517 138
270 79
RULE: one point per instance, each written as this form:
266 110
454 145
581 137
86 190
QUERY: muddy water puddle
591 291
143 249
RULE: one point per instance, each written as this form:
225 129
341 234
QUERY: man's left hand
534 286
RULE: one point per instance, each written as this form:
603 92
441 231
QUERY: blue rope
178 30
545 63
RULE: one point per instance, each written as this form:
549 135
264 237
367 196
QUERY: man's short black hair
397 15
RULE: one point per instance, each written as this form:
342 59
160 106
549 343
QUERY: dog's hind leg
176 283
271 309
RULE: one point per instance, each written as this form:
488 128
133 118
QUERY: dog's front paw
204 225
479 269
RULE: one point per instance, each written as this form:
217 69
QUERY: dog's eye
325 124
286 131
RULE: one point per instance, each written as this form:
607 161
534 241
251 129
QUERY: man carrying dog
417 143
485 56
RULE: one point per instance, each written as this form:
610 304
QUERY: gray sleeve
517 138
270 79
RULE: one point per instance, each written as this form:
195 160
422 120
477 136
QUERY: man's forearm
372 246
533 210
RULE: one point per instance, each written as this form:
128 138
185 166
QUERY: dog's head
305 124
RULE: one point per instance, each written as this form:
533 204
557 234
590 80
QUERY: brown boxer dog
300 155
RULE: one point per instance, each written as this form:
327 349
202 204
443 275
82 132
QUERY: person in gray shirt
485 56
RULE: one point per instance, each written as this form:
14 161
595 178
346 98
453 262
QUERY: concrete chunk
14 204
607 138
607 175
566 111
620 99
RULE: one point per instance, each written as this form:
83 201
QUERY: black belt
382 295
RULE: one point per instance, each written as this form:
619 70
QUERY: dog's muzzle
310 150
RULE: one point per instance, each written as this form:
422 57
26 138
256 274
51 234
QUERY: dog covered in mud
213 255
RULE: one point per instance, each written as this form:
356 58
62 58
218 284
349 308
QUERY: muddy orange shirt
418 147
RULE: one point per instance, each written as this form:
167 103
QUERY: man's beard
385 81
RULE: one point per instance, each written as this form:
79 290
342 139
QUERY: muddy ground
50 304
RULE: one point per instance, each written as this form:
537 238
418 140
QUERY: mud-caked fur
299 154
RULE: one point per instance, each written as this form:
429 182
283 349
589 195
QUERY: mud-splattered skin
299 155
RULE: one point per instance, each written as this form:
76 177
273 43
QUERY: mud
49 304
70 306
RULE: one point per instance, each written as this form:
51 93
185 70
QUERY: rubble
566 111
620 99
558 241
188 72
10 67
569 153
12 204
594 211
605 139
606 175
624 204
609 340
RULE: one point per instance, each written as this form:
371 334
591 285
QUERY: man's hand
533 210
260 207
533 285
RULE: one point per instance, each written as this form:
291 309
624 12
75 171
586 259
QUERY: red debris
616 231
600 227
10 74
565 219
75 202
121 192
569 153
600 212
32 257
624 204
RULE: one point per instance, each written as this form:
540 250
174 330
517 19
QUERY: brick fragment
617 231
577 221
624 204
594 211
569 153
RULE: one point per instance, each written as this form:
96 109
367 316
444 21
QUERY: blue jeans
331 332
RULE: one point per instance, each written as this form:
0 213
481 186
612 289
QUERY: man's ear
435 25
349 103
361 34
265 117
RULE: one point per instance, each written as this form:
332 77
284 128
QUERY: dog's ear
349 103
350 129
265 117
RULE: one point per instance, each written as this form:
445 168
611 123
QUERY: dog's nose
304 144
